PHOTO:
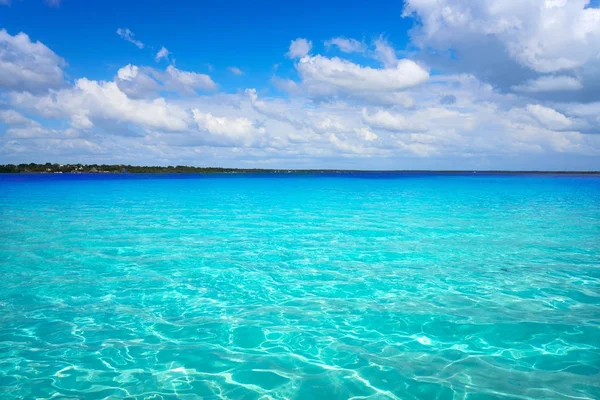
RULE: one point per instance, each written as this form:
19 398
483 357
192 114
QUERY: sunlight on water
306 287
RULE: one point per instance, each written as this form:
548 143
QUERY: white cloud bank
89 102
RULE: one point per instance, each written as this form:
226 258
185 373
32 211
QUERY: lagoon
311 286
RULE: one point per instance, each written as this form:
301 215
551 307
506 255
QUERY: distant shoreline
133 169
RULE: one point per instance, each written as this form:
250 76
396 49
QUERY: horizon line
289 170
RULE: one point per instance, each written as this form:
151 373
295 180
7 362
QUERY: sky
415 84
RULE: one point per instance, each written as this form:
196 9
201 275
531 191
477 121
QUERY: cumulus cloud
188 81
162 53
139 82
236 71
347 45
126 34
322 75
507 43
28 65
276 111
299 48
343 80
232 131
391 122
128 72
90 102
367 134
546 36
549 117
329 124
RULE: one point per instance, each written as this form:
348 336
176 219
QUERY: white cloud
235 71
38 132
347 81
232 131
386 99
286 85
126 34
347 45
11 117
545 36
189 81
332 75
81 122
105 100
62 144
347 145
162 53
549 117
584 110
385 53
514 45
4 2
549 84
139 82
367 134
330 124
391 122
91 102
53 3
128 72
276 111
299 48
27 65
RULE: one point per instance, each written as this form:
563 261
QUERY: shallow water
305 287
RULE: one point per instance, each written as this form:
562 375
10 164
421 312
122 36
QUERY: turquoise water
364 286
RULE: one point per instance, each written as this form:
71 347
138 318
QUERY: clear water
365 286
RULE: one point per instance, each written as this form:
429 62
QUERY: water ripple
332 288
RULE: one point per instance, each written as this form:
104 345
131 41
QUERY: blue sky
396 85
252 36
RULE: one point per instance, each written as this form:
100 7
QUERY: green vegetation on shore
49 168
113 169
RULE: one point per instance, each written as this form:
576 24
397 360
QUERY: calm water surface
365 286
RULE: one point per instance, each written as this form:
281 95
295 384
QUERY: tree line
113 168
